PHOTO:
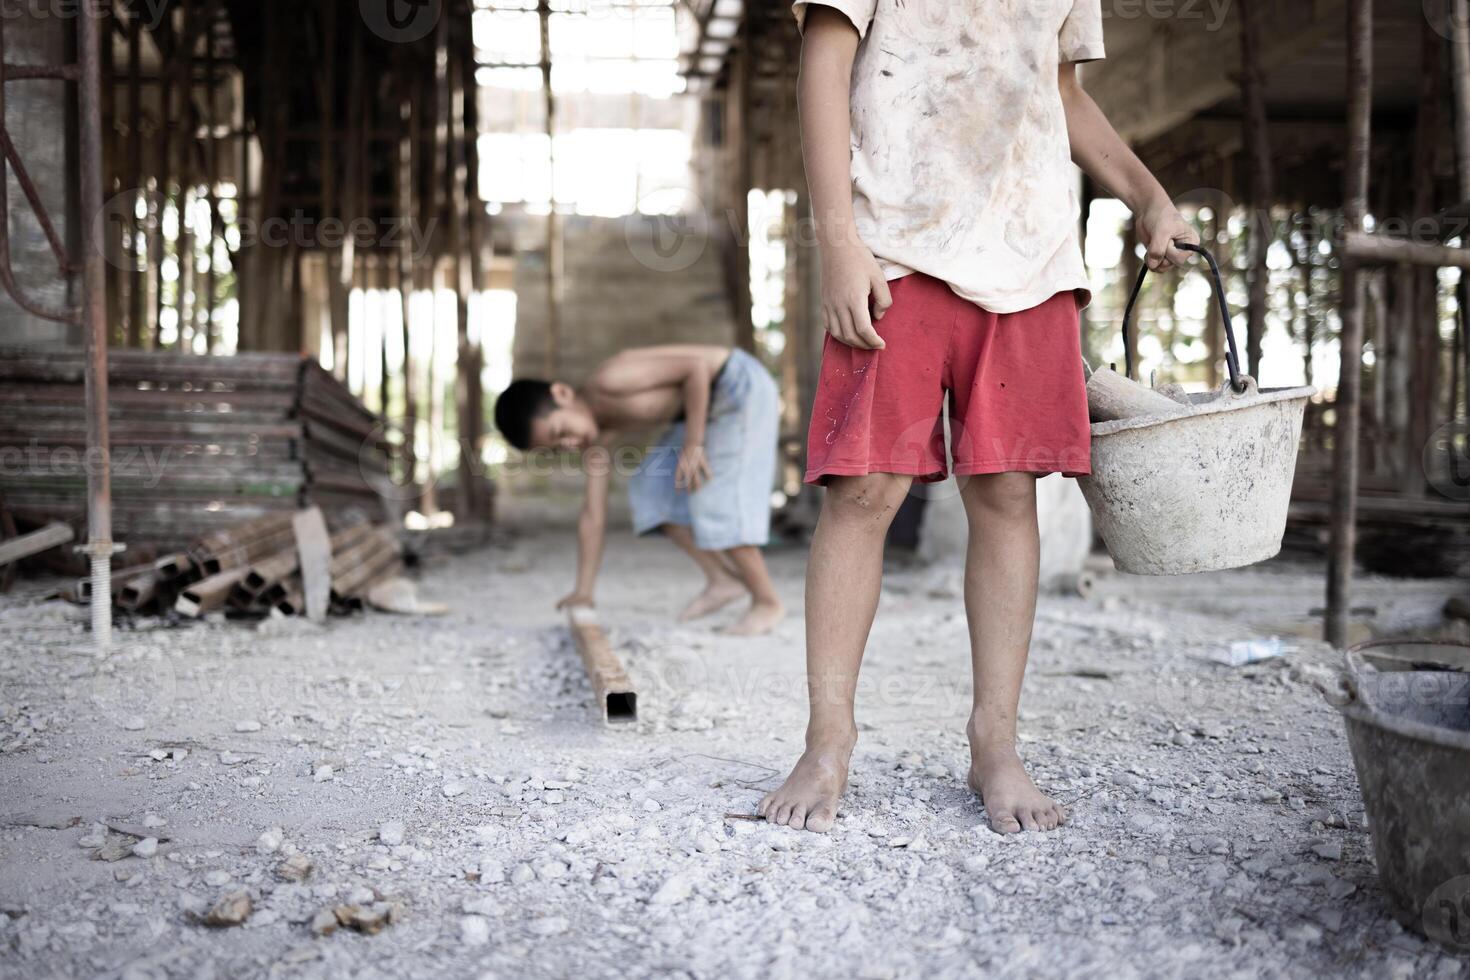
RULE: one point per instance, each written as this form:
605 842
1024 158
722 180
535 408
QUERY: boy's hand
693 470
1159 227
850 276
575 599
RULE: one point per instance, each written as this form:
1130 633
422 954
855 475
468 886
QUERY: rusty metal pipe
94 325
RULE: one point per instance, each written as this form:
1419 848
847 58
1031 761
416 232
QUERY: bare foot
716 596
809 797
761 618
1012 801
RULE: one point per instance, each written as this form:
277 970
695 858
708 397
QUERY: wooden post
211 168
742 141
555 255
408 151
327 151
1257 140
1421 341
1350 379
466 374
138 262
158 245
111 243
184 134
1460 52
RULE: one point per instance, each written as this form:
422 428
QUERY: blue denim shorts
733 508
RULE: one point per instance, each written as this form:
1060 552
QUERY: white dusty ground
451 769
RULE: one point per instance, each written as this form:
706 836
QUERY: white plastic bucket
1197 492
1204 491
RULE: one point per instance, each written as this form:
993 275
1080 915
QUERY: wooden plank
314 553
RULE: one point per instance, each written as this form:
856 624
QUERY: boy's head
544 415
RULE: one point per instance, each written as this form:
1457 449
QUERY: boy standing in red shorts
939 137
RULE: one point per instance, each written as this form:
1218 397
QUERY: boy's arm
693 468
591 526
850 275
1100 151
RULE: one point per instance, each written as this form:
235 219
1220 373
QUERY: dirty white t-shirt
961 166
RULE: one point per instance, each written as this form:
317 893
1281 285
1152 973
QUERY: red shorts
1017 395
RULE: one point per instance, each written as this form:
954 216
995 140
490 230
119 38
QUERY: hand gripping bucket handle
1232 356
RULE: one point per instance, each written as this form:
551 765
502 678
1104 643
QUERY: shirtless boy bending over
707 483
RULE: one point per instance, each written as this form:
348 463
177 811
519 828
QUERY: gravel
395 797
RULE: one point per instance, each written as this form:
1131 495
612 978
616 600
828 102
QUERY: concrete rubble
396 797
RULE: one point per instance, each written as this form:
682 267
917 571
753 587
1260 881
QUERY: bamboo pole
138 263
613 691
407 152
1460 52
466 377
1421 341
1367 249
1350 379
1258 142
555 253
163 145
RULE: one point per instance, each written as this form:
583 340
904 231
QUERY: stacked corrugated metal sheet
199 444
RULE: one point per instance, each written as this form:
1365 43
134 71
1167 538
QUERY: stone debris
1216 823
474 930
367 919
324 923
1328 850
297 867
232 910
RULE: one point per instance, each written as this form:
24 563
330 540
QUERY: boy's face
569 425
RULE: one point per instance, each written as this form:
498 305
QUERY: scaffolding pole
1350 379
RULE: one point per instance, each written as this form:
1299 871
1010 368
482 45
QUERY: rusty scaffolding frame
90 315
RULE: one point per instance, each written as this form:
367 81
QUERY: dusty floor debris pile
199 443
404 796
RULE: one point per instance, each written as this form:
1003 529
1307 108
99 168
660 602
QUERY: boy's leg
1001 571
766 609
722 585
843 579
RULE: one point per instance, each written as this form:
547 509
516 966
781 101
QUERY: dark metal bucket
1407 711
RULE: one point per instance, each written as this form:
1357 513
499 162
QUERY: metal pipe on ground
48 537
208 595
139 592
613 691
371 570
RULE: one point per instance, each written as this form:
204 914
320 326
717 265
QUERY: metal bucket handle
1232 356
